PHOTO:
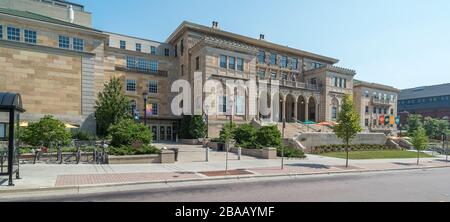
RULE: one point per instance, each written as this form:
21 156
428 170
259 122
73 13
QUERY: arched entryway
264 105
312 109
290 108
278 108
301 102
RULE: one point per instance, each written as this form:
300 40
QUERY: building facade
50 54
376 103
428 101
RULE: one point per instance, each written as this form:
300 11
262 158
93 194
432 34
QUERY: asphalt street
403 186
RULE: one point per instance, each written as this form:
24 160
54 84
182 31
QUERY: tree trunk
346 149
418 156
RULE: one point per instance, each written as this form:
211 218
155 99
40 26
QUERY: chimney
261 37
71 14
215 25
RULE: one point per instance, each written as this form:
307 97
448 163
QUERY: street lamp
145 95
282 146
229 139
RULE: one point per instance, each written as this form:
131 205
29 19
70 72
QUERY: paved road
406 186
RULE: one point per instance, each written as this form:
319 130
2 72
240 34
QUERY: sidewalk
42 176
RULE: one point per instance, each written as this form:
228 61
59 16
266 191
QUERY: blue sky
403 43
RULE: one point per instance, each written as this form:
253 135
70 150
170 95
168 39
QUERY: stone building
51 54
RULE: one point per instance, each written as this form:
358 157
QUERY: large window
222 104
155 109
131 85
153 87
30 36
232 63
273 59
2 131
240 105
283 62
197 63
123 44
153 50
142 65
64 42
334 113
240 64
153 65
223 61
13 33
166 52
138 47
1 32
284 76
78 44
273 75
261 57
261 74
294 63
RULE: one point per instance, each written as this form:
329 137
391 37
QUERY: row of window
14 34
380 110
229 62
338 82
425 100
380 96
131 86
77 43
142 65
123 45
273 60
274 75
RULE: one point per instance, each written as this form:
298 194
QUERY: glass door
162 133
169 133
154 133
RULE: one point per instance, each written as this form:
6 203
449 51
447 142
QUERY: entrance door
155 133
162 133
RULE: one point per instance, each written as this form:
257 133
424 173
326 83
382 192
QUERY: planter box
190 141
166 156
266 153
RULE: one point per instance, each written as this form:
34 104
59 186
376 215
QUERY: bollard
206 154
239 153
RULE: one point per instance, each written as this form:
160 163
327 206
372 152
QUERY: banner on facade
397 120
381 120
149 109
392 120
386 120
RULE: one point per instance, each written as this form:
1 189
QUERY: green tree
431 127
192 127
127 132
414 123
348 123
48 131
227 133
269 136
111 106
245 136
419 141
442 128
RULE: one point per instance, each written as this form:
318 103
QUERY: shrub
192 127
354 147
268 136
48 131
245 136
290 152
227 132
83 136
128 150
127 131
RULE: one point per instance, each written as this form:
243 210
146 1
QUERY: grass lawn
380 154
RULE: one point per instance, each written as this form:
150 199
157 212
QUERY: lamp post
145 95
282 146
133 109
229 139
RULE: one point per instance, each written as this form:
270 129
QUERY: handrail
308 127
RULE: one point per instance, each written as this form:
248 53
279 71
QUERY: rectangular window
284 76
367 109
240 64
2 132
182 70
313 81
366 94
123 44
232 63
182 47
64 42
138 47
261 57
30 36
143 65
13 34
166 52
374 110
223 61
153 50
261 74
273 75
131 63
197 63
283 62
153 65
78 44
273 59
176 50
333 113
222 104
131 85
1 32
153 87
240 105
294 63
366 122
155 109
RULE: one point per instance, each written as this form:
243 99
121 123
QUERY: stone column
284 109
296 109
317 113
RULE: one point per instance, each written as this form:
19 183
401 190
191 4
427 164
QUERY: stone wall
318 139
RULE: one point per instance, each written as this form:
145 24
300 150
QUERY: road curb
77 189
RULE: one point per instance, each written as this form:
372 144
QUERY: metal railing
306 126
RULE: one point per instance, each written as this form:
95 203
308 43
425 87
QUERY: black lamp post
145 107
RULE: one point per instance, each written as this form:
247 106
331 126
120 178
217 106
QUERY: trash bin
175 150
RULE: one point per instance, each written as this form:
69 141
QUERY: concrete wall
318 139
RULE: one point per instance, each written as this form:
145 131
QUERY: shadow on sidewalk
309 165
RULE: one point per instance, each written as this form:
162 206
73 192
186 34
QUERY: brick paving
115 178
